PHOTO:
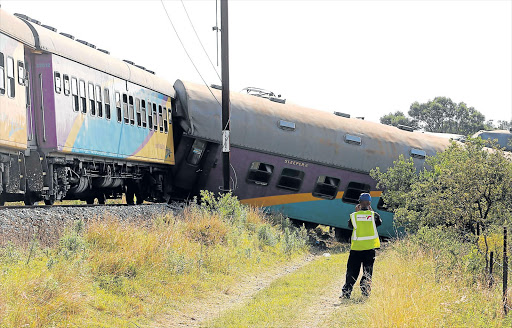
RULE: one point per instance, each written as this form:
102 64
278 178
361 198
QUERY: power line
188 55
198 39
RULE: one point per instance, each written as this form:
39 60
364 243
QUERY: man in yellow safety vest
365 239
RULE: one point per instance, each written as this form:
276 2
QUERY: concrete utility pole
225 92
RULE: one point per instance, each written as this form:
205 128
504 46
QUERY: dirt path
321 309
196 313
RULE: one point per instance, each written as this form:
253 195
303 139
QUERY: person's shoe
344 296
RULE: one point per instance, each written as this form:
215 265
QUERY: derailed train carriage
308 164
76 123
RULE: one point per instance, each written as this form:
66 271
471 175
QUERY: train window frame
131 110
353 140
150 115
354 190
155 118
381 205
124 103
137 112
83 97
160 118
418 153
143 113
2 74
21 73
58 82
106 97
196 152
65 78
326 187
74 93
11 84
285 181
166 127
117 100
92 101
99 102
260 173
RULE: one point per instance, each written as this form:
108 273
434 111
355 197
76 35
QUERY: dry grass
412 289
110 273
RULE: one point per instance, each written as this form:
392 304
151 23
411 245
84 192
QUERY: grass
416 285
122 274
283 302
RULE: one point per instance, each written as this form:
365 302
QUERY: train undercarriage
50 178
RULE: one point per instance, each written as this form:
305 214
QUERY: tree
398 118
468 186
443 115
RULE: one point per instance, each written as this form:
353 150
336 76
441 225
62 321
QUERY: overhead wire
201 43
188 55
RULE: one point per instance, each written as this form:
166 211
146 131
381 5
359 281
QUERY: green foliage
444 115
465 186
399 118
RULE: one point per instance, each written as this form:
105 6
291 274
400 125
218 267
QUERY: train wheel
2 200
30 199
89 200
101 199
129 195
139 197
50 201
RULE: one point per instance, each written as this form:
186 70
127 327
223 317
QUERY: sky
365 58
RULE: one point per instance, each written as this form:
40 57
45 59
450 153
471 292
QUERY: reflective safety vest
364 235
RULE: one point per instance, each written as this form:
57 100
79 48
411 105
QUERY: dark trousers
355 259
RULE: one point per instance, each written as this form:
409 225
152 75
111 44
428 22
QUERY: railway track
174 206
24 224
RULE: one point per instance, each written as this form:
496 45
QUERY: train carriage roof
318 136
16 29
49 41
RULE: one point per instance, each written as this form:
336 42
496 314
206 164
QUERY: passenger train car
308 164
77 123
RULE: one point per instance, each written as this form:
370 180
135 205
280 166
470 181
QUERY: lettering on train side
296 163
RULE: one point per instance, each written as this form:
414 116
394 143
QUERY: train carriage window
353 140
66 85
418 153
166 128
290 179
83 96
99 104
58 83
381 205
130 110
74 92
125 109
160 118
150 116
137 111
155 120
326 187
196 152
118 106
2 75
107 103
143 113
10 78
21 73
260 173
354 189
92 101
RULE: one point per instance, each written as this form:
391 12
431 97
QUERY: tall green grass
113 273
